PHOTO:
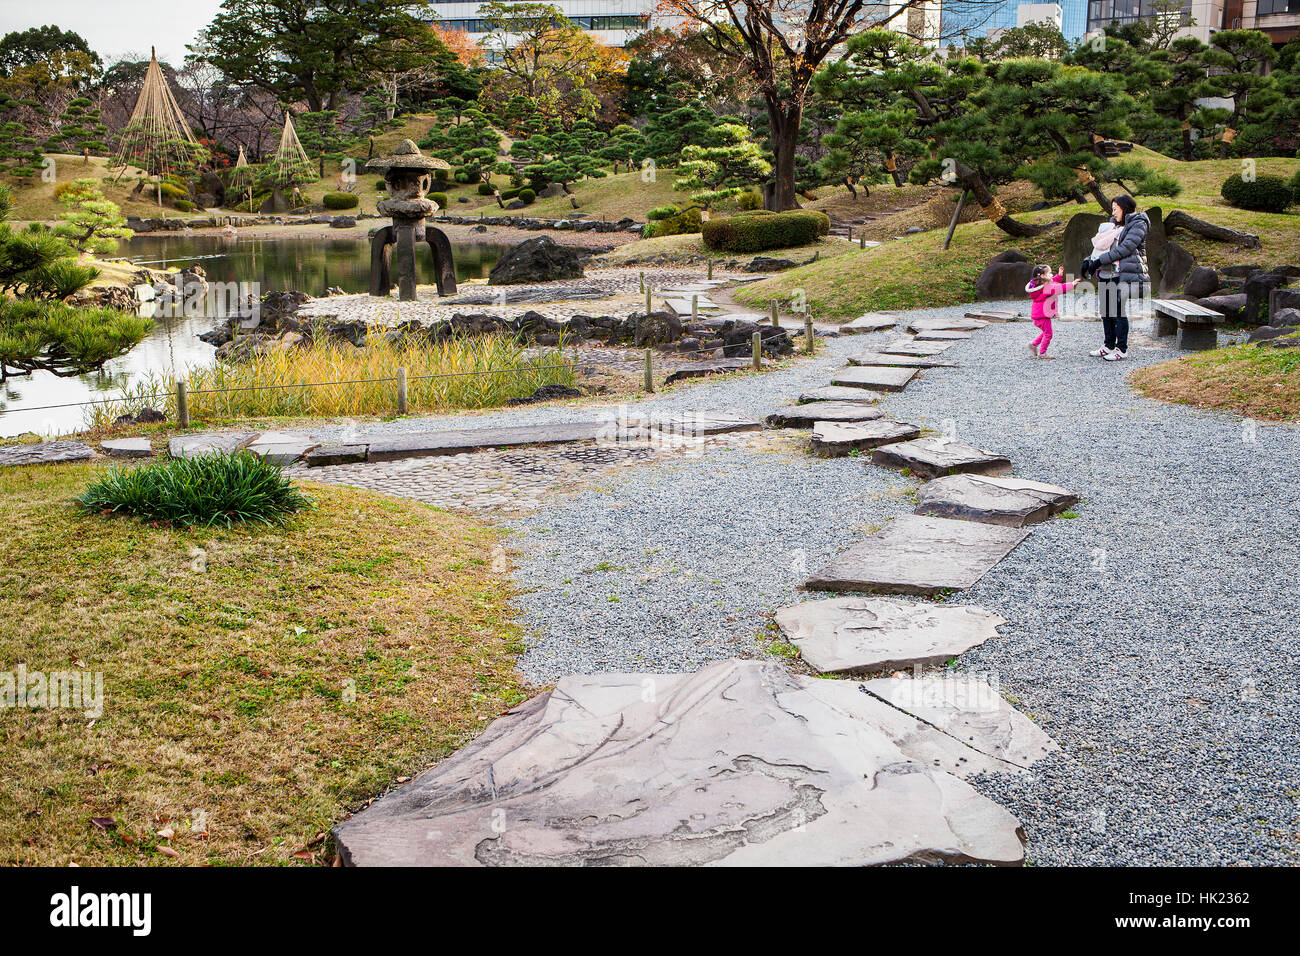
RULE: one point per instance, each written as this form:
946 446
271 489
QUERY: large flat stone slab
971 710
862 635
281 448
1014 502
45 453
453 442
706 423
894 360
871 322
917 554
941 335
336 455
995 315
219 443
837 439
713 366
913 347
805 416
876 379
934 457
127 447
839 393
742 763
945 325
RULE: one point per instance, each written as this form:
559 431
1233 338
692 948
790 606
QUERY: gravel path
1151 636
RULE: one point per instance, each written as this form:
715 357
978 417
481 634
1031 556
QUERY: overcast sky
114 28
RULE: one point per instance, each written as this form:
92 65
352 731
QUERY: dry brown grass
226 713
1261 383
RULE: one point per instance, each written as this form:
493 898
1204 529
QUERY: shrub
510 193
1263 194
440 198
341 200
683 223
526 196
662 212
218 489
749 201
62 189
442 175
1295 187
468 175
484 189
754 233
381 185
184 205
172 191
1160 184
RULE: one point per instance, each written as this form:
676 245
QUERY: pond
308 265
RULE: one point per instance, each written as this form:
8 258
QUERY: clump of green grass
217 489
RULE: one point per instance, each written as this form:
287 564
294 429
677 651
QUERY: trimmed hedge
749 201
1264 194
662 212
340 200
526 196
184 205
755 232
484 189
441 199
1295 186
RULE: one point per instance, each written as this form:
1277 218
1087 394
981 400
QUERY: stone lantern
407 177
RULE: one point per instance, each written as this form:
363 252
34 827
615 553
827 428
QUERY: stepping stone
1014 502
945 325
837 439
918 554
879 379
682 307
764 767
689 289
871 322
707 423
971 710
806 416
715 366
913 347
428 444
839 393
749 278
279 448
45 453
994 315
336 455
188 446
127 447
941 335
860 635
889 360
933 457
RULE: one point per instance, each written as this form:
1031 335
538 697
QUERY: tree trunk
972 180
1180 220
779 195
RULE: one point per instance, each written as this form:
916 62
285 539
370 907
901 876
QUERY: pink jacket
1043 299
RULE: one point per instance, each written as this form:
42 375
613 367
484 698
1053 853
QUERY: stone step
933 457
45 453
995 315
917 554
806 416
912 347
713 366
870 322
127 447
941 335
863 635
878 379
894 360
839 393
1014 502
767 767
946 325
837 439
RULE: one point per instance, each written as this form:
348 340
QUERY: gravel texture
1151 636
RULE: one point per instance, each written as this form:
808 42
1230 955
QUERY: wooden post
648 303
710 266
775 308
850 233
956 214
401 391
695 308
808 331
862 240
758 351
642 281
182 404
649 370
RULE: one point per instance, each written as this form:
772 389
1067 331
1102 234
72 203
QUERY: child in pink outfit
1044 291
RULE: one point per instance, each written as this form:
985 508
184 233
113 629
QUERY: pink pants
1044 335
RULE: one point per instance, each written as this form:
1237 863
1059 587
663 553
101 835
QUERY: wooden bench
1194 324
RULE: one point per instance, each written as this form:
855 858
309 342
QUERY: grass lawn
683 250
1261 383
229 720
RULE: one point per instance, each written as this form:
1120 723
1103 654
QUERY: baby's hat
1106 227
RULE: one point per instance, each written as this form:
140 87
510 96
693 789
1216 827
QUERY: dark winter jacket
1126 260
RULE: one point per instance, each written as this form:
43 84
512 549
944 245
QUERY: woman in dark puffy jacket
1121 275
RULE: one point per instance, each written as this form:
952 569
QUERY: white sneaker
1115 356
1102 352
